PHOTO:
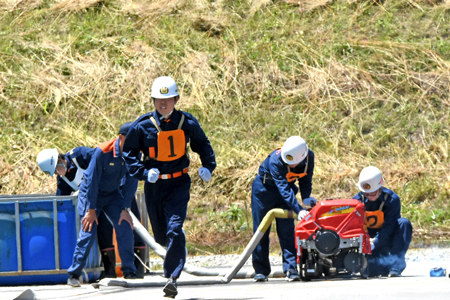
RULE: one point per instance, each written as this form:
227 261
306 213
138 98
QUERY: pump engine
332 240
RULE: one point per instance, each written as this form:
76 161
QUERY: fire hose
198 271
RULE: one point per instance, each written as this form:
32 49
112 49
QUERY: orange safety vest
171 144
375 219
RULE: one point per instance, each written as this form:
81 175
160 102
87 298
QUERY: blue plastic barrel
44 256
66 228
8 245
37 235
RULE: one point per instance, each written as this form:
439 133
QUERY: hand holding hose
302 214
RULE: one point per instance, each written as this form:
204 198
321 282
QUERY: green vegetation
365 82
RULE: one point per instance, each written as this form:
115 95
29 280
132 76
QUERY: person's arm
85 157
131 153
391 212
91 180
128 188
62 188
305 183
89 190
201 145
279 176
358 197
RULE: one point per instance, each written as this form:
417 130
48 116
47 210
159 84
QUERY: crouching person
390 234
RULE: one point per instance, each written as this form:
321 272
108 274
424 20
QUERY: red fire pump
332 240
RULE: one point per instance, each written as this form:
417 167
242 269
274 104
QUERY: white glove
302 214
204 173
372 244
153 175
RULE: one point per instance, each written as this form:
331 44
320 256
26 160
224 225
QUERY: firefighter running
163 136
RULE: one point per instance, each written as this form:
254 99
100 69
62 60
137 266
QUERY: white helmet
47 160
164 87
294 150
370 179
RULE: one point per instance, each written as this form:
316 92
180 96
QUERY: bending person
274 187
102 190
69 170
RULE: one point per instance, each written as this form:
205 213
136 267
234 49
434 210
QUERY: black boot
109 264
170 289
140 269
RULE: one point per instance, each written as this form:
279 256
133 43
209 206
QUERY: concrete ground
415 283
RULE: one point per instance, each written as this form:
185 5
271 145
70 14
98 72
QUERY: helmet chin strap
166 116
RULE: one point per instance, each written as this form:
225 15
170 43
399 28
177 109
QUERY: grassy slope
364 82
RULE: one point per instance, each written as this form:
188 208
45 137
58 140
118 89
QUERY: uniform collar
174 117
117 148
70 164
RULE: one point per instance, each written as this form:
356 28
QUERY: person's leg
286 235
84 244
106 244
124 233
379 262
402 238
260 256
175 210
139 245
167 202
154 200
139 261
104 232
374 268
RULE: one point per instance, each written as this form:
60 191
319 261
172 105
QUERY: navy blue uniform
77 157
101 190
78 160
167 199
392 239
272 189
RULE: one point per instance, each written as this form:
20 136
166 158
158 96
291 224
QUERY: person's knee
174 229
404 222
405 226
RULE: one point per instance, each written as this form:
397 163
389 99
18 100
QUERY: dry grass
75 5
309 5
364 82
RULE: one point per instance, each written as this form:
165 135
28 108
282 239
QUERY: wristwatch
126 208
